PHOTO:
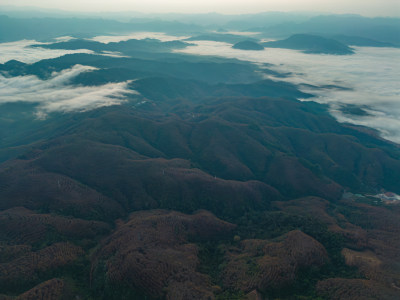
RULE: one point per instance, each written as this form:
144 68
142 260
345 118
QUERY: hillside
248 45
311 44
231 155
156 174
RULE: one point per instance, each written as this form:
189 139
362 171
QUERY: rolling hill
209 182
311 44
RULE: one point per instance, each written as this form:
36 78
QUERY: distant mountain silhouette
311 44
248 45
360 41
219 37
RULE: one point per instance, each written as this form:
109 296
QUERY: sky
362 7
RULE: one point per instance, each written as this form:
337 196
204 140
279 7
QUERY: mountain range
198 179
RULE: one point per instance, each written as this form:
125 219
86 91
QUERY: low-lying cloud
57 94
371 77
24 52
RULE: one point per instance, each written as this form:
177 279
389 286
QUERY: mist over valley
199 156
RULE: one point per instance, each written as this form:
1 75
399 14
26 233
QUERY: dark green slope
147 157
311 44
77 190
208 70
248 45
360 41
126 47
219 37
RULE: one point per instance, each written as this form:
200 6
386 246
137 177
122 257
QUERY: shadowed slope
151 252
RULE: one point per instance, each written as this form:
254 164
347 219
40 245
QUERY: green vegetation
109 203
311 44
248 45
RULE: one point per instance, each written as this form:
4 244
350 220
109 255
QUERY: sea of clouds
24 52
369 79
57 94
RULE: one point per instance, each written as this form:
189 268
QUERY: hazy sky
363 7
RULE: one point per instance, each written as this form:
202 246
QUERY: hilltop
311 44
248 45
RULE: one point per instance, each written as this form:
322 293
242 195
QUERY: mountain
219 37
14 29
360 41
126 47
248 45
226 148
197 179
380 29
311 44
124 68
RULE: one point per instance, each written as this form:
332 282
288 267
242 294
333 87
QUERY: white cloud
23 52
112 54
57 94
66 38
372 77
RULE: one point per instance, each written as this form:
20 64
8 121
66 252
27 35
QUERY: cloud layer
57 94
22 52
371 77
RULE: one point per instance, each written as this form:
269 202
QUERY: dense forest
196 177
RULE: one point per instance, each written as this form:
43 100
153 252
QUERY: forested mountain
137 171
